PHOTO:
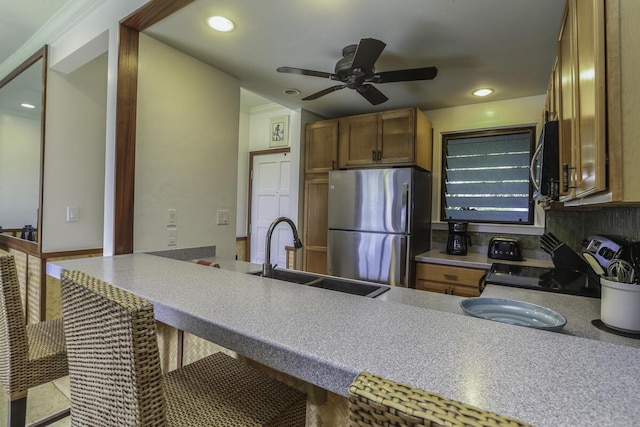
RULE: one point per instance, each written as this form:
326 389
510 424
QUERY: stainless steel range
543 279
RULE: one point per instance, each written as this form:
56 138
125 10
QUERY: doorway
269 194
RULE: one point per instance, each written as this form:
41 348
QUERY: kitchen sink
353 287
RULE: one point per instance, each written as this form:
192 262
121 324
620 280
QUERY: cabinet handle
333 165
565 177
379 155
451 277
373 155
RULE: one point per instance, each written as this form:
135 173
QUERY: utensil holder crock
620 305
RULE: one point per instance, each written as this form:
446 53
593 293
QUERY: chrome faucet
267 268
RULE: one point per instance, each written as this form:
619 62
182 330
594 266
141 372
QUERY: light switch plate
223 217
172 217
72 213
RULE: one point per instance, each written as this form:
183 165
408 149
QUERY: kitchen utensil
620 305
593 262
622 271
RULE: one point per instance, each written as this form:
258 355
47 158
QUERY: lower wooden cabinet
447 279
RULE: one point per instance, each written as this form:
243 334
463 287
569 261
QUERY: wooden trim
74 253
125 155
42 309
180 349
252 154
26 246
153 12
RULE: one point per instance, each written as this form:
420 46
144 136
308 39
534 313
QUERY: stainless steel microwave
545 168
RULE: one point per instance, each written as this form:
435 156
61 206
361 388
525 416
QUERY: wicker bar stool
30 355
375 401
116 380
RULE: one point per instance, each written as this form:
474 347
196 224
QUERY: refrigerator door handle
405 206
403 261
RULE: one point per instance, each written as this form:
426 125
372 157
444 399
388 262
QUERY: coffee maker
458 240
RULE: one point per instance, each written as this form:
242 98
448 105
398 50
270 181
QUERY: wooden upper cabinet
565 111
590 99
582 97
321 147
398 138
358 140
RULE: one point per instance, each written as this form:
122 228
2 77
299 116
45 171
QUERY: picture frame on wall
279 131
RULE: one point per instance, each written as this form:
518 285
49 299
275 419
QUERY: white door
270 199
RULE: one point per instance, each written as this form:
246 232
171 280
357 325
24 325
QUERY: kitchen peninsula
326 338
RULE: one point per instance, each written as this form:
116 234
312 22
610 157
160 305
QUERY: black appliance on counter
458 240
504 248
607 248
543 279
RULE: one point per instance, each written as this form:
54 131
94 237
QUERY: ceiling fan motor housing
354 78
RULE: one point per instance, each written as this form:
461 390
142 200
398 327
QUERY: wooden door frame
252 154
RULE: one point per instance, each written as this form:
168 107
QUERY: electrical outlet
172 217
172 237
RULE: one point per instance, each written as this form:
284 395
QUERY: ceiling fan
356 70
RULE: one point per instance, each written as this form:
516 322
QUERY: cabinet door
321 146
358 141
396 143
590 105
316 198
565 100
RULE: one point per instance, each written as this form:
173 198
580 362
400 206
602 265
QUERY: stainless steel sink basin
354 287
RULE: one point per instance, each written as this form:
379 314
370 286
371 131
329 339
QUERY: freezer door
374 257
370 200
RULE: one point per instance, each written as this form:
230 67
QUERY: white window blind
486 176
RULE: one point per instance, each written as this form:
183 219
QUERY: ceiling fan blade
303 72
323 92
367 53
426 73
373 95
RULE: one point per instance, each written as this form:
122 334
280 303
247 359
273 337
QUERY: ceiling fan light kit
356 71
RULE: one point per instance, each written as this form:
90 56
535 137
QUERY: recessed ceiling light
292 91
483 92
221 23
25 105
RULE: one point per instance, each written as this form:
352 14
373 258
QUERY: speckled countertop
327 338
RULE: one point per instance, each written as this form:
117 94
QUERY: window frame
481 133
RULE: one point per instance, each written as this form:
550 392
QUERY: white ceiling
508 45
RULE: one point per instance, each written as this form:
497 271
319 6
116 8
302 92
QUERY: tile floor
43 401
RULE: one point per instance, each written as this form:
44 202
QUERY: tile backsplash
570 226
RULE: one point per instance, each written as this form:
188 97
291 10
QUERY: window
485 176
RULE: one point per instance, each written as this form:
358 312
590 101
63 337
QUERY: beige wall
75 157
512 112
186 152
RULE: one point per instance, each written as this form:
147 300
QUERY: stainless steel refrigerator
379 220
